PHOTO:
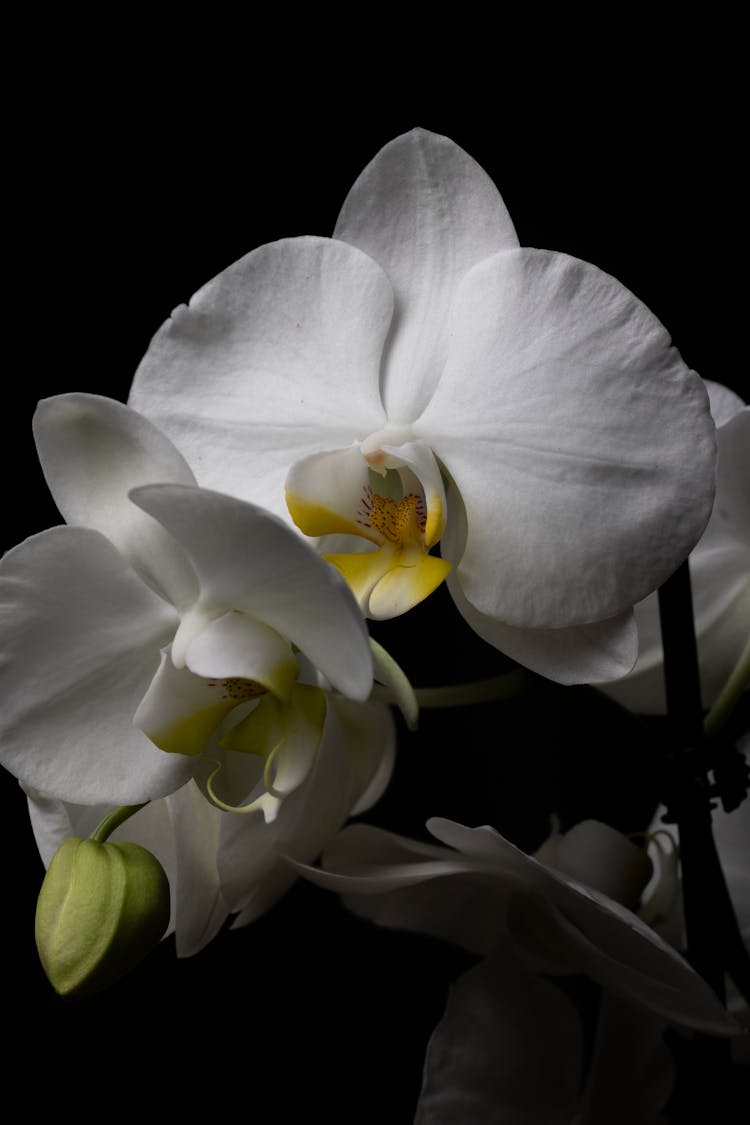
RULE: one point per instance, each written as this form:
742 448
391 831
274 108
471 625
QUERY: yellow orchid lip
384 503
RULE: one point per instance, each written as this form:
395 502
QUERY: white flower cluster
330 429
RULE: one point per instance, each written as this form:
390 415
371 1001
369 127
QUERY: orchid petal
324 493
589 933
93 450
180 711
236 646
200 909
272 359
508 1049
596 854
554 369
80 643
287 735
632 1071
720 577
730 518
247 560
721 608
591 654
724 402
385 587
426 212
407 885
369 732
588 654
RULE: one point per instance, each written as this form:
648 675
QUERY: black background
132 190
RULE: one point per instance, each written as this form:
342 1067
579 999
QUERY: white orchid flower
146 635
481 890
510 1046
220 864
719 572
351 378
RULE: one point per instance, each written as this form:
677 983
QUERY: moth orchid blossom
221 864
164 626
421 379
480 890
719 572
531 920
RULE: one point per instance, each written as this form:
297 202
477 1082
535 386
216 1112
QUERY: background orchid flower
221 864
154 626
352 378
719 571
510 1044
481 890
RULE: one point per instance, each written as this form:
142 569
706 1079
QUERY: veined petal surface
427 212
274 359
81 636
93 450
248 560
589 654
581 445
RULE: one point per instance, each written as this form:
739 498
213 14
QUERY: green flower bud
101 909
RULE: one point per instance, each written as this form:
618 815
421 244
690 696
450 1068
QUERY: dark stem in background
714 943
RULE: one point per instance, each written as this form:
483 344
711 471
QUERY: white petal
274 359
721 607
370 735
238 646
407 885
600 856
324 493
580 443
632 1071
579 654
730 518
247 560
200 909
724 402
576 926
80 643
427 213
93 450
53 821
509 1050
181 711
720 576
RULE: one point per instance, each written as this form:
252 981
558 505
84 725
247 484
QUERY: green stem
112 820
507 686
739 679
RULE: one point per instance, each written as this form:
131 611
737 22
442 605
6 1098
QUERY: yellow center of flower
400 522
238 689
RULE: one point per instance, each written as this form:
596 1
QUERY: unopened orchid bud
101 909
